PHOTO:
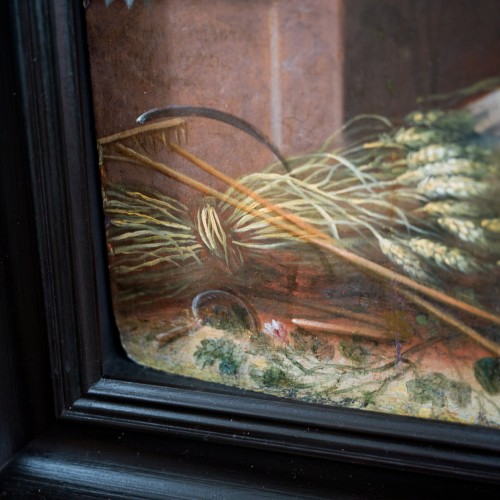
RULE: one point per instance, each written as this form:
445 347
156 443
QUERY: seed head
467 230
457 208
456 121
491 225
458 187
407 260
451 167
444 256
415 137
441 152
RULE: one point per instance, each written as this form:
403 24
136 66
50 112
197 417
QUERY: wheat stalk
311 234
450 320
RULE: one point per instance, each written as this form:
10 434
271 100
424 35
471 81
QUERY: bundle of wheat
457 178
423 197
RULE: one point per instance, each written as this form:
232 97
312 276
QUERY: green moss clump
274 377
223 351
428 389
422 319
307 343
369 398
355 352
459 393
261 343
233 318
487 372
435 388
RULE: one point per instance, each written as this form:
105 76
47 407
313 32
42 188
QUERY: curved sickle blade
213 114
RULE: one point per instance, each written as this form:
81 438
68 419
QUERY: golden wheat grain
440 152
444 256
450 167
451 121
459 187
419 137
406 259
433 153
467 230
491 225
455 208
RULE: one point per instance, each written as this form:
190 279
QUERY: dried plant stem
341 328
313 235
306 229
170 172
447 318
144 129
203 188
370 319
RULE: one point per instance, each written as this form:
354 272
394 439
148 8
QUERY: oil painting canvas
302 198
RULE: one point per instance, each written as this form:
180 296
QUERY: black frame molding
93 383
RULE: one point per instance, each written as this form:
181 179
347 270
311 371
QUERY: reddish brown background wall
294 68
276 64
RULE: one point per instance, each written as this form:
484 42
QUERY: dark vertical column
398 50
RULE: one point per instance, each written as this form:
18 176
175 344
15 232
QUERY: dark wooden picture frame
60 339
